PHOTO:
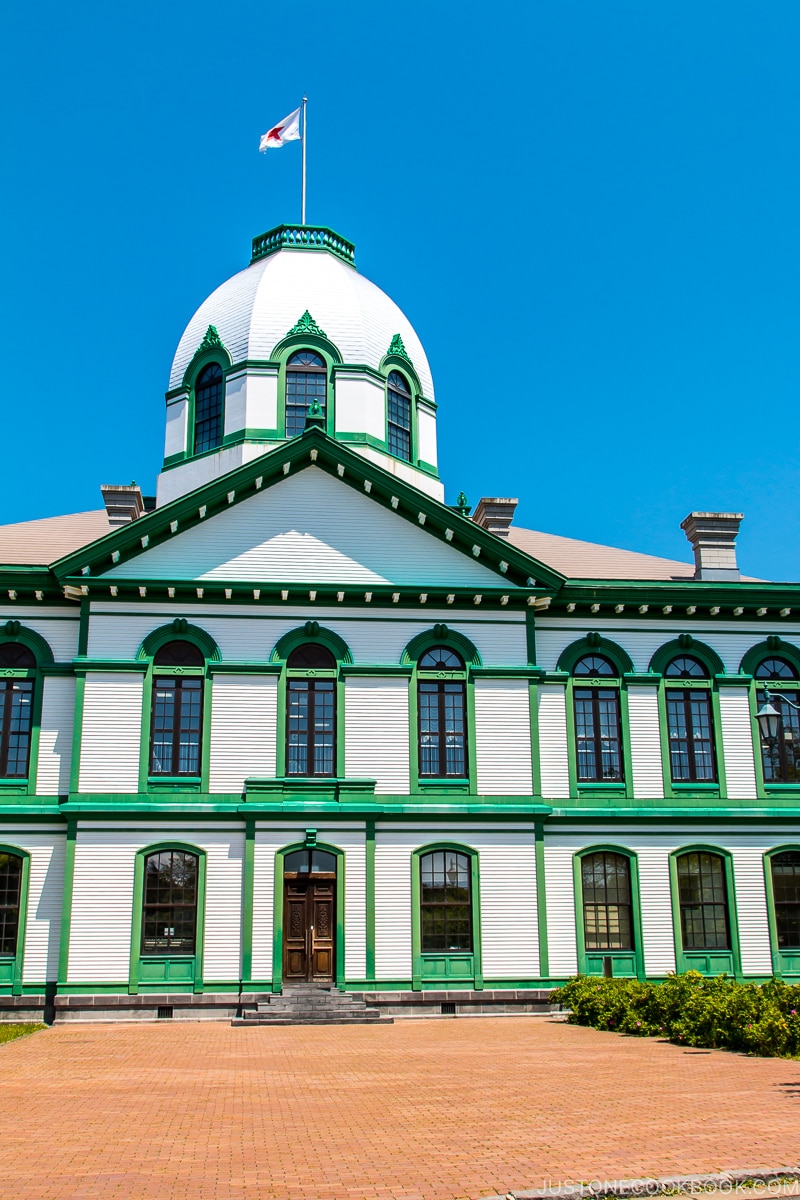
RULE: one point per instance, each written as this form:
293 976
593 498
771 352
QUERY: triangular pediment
308 528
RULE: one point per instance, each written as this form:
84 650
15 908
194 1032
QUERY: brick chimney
123 503
713 537
495 514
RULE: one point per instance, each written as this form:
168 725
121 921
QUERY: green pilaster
66 903
541 902
370 898
247 901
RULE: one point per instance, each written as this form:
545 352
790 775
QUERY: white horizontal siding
267 843
112 730
393 908
658 935
376 732
509 915
561 935
45 893
55 736
751 911
60 632
244 711
554 762
251 635
310 528
503 737
223 914
737 742
355 899
645 736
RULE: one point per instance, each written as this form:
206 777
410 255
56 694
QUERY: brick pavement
421 1110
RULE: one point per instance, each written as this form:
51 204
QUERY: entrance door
309 919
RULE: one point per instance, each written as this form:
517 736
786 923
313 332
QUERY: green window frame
682 716
25 659
308 340
208 413
399 416
167 968
784 893
446 968
293 678
593 867
597 706
691 897
441 638
13 904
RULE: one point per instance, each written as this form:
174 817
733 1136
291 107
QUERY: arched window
399 416
703 899
442 715
311 712
607 904
10 898
177 710
16 711
597 722
169 910
306 381
445 902
690 723
208 395
786 891
780 756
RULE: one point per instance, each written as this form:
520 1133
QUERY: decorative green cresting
463 505
211 341
303 237
307 324
396 347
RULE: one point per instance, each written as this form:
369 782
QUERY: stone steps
312 1005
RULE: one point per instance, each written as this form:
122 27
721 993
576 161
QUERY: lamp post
768 717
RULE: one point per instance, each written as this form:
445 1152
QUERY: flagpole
303 195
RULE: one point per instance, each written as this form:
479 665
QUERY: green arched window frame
707 962
12 966
207 355
689 647
14 633
625 963
783 962
277 935
311 633
620 660
403 366
450 639
174 973
179 630
330 355
773 647
453 970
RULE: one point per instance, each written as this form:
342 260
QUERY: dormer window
208 409
306 381
398 396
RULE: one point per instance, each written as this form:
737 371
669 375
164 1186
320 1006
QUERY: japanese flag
287 130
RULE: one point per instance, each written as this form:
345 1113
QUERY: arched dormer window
16 710
398 407
306 381
311 711
598 739
780 756
442 714
177 709
690 721
208 408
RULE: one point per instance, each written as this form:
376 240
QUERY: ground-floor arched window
445 902
169 916
786 891
607 904
10 897
703 898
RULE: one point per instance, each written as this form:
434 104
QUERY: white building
299 720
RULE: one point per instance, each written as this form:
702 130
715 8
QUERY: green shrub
9 1032
691 1010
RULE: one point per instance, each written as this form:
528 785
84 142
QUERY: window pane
15 730
607 906
169 911
684 667
440 659
10 885
786 888
446 903
691 742
311 727
703 900
303 387
208 409
595 665
399 423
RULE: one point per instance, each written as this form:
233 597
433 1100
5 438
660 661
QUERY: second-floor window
442 715
785 869
311 711
597 721
177 710
16 711
690 722
781 756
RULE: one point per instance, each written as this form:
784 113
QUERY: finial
315 416
463 505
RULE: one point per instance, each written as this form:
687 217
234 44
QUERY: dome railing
303 237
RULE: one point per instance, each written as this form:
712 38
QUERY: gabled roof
39 543
588 560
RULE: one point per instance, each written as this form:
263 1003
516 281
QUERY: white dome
257 308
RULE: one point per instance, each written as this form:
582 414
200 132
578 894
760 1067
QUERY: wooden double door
309 929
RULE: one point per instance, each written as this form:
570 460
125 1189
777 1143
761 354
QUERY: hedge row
691 1010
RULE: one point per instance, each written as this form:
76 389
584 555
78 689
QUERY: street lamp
768 717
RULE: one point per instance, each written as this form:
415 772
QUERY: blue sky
588 211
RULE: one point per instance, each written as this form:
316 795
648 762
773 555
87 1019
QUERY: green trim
303 237
691 647
541 900
18 962
66 902
623 958
13 632
370 897
729 961
593 643
312 631
782 963
135 981
329 353
248 894
474 977
441 635
179 630
277 935
773 647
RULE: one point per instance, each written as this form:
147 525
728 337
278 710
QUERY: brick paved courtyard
420 1109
